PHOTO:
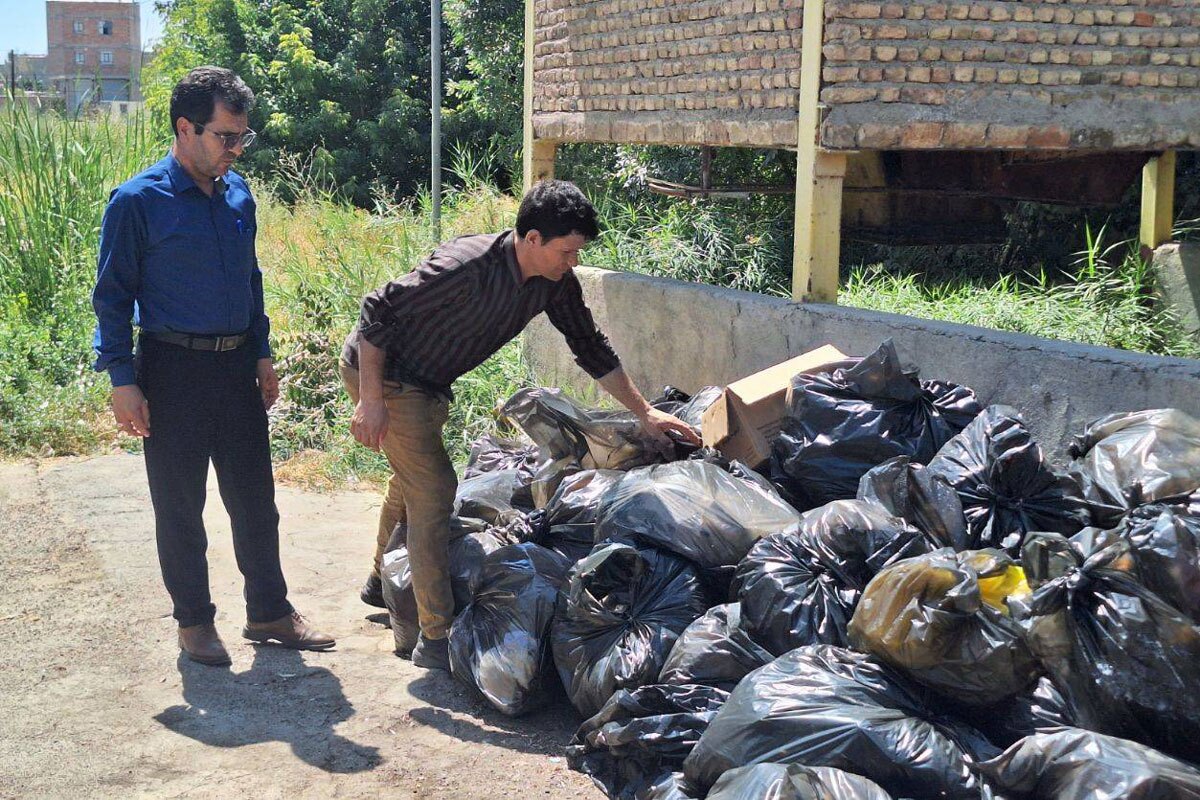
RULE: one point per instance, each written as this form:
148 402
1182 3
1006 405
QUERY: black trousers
206 407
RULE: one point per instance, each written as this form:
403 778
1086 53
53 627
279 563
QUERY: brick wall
1012 74
706 71
1006 74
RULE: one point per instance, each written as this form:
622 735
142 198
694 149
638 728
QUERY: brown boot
291 631
201 644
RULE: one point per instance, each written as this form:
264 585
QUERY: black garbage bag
494 498
733 467
1127 662
825 706
1166 550
941 619
802 589
769 781
567 524
1126 460
500 643
641 735
714 651
1042 710
669 787
571 438
468 547
840 424
689 408
693 509
617 619
493 453
1077 764
922 499
1006 486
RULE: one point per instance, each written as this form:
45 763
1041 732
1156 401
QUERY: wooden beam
537 155
819 177
818 228
1158 199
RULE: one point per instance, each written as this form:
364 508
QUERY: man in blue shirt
177 260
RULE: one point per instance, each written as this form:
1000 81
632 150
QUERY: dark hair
557 208
195 97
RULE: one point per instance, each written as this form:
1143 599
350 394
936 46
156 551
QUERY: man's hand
130 410
268 381
665 429
369 423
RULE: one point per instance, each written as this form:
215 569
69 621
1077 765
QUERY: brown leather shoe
202 644
291 631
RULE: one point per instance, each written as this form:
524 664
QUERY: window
104 28
80 57
106 56
78 26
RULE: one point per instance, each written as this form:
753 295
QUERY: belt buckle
225 343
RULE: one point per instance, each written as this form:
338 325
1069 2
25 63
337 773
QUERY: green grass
1108 299
319 256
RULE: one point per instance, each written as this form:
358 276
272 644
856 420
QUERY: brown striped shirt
464 303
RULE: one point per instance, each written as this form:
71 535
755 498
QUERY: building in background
29 71
94 52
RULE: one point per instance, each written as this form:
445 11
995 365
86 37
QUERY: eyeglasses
230 141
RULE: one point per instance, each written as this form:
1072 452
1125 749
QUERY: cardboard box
748 415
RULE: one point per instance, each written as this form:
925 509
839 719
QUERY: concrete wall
691 335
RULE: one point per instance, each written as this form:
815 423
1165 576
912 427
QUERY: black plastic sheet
840 424
825 706
922 499
1126 460
1006 486
802 589
493 453
794 782
1166 548
572 438
1083 765
714 651
494 498
1042 710
689 408
694 509
617 619
641 736
500 643
1127 662
567 524
468 547
940 618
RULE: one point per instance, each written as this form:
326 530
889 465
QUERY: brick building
94 51
913 121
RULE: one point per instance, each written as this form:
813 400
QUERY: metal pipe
435 101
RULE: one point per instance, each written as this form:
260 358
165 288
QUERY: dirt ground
96 702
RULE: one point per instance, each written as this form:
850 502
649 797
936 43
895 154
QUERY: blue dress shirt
174 259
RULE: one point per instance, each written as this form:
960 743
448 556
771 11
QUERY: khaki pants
420 494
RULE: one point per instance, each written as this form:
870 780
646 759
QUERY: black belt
215 344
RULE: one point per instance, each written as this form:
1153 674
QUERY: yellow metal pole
819 177
1158 199
537 154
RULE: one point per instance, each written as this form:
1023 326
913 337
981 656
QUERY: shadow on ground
456 711
280 698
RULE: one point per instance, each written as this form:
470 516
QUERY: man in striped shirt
419 333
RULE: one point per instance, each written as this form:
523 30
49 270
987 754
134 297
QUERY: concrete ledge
691 335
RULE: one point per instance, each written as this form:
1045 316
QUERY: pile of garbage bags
912 599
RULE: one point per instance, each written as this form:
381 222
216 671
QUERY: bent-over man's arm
593 353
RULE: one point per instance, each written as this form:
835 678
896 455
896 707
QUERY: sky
23 26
